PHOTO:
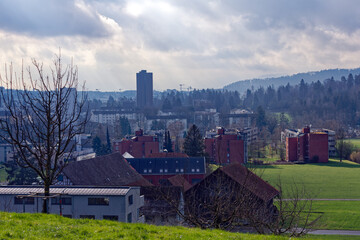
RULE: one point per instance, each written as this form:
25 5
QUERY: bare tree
296 214
44 114
221 202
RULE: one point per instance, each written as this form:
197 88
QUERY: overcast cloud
197 43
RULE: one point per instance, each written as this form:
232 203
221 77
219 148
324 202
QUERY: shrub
355 157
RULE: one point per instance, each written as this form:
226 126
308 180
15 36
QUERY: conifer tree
168 143
194 144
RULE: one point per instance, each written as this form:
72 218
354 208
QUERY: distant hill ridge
242 86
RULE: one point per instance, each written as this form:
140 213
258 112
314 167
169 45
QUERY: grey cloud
50 18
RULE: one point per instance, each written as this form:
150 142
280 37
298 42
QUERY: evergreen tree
166 105
193 144
168 143
17 175
99 148
260 118
108 142
125 126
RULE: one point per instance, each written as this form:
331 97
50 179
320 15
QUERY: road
335 232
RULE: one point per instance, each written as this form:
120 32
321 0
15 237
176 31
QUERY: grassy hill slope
41 226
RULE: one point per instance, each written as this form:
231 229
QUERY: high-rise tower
144 89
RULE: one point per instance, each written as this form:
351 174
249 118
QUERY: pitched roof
246 178
108 170
68 190
168 166
180 181
251 181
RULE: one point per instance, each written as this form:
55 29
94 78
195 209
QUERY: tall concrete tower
144 89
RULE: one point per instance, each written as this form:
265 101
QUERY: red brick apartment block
307 146
138 146
226 148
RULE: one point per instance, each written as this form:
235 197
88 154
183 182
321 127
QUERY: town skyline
202 44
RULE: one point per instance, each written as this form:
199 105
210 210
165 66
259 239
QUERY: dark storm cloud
50 18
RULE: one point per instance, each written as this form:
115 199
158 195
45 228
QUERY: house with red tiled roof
180 181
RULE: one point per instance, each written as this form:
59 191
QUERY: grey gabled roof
71 190
108 170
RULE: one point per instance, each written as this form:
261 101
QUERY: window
111 217
64 201
192 170
197 170
182 170
129 218
131 199
25 200
150 171
177 170
166 170
67 215
161 170
98 201
87 216
145 170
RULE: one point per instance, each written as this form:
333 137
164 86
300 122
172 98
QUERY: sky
201 44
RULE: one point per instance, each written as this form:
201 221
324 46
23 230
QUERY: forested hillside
254 84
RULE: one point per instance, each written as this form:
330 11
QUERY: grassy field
40 226
323 180
333 180
355 142
341 215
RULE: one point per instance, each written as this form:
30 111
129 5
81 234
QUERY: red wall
318 146
137 149
291 149
218 148
307 146
154 179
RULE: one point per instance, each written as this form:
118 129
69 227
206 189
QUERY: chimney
139 132
306 129
221 131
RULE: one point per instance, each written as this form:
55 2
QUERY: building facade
112 203
307 146
144 89
138 146
6 152
158 169
331 137
225 148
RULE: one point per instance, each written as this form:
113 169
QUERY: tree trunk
46 199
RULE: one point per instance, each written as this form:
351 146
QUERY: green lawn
355 142
40 226
342 215
323 180
333 180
